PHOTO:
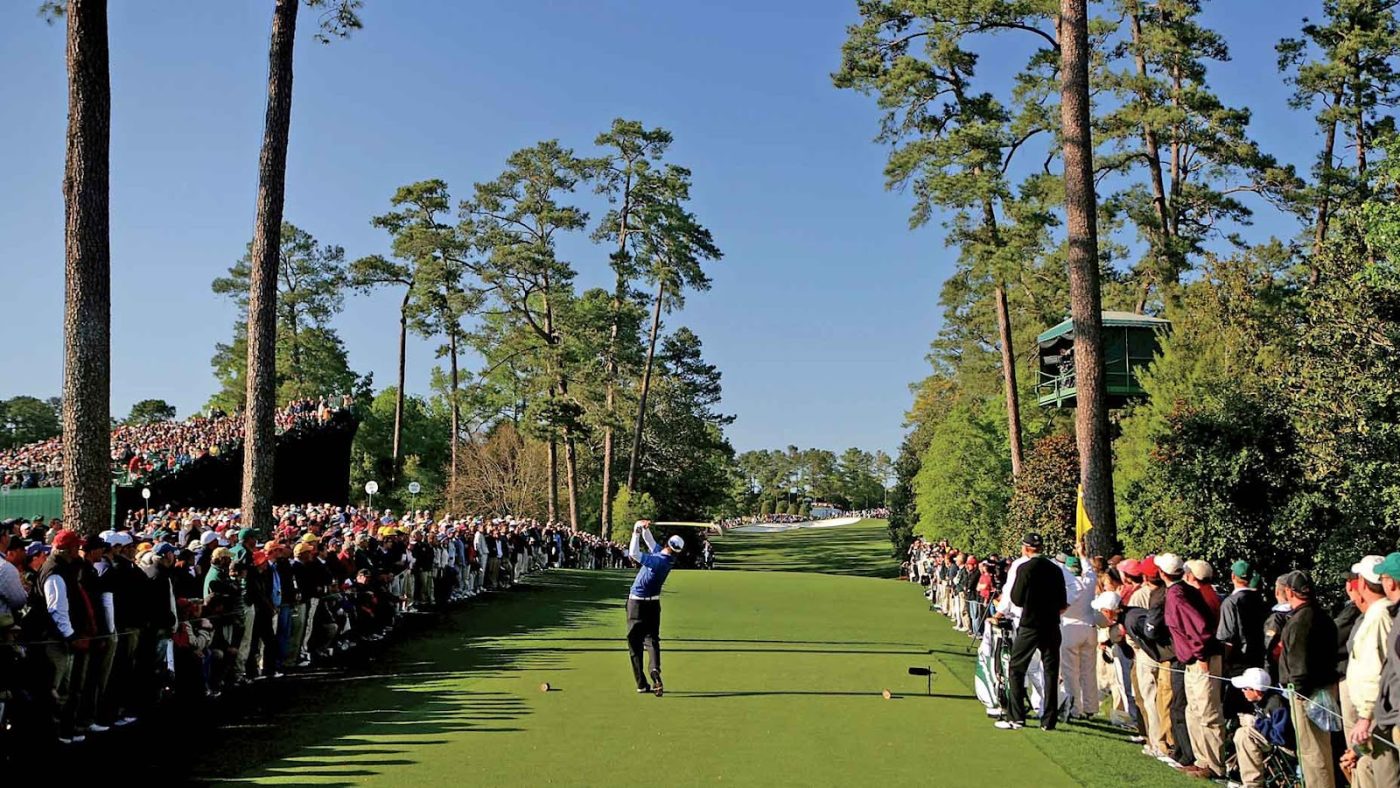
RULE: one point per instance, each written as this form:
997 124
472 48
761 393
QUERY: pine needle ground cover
772 677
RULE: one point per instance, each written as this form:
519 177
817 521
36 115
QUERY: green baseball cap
1390 567
245 534
1240 569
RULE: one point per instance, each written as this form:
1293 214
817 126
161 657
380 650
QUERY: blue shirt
652 575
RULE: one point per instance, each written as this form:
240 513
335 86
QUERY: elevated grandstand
312 464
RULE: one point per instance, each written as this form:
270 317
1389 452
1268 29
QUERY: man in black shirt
1308 665
1039 590
1241 627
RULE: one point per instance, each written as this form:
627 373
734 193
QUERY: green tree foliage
148 411
1224 482
25 419
1270 430
1191 155
766 508
686 461
1343 67
1045 495
628 508
311 358
964 479
424 448
903 514
854 480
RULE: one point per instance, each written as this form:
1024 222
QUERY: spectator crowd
793 519
96 630
142 452
1216 674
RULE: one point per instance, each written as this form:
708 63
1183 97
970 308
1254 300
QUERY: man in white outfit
1079 641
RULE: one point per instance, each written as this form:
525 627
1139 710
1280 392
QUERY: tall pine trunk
1091 414
1178 165
609 403
1165 250
1008 353
1360 138
260 438
571 473
1008 381
398 399
87 295
456 408
1324 203
553 477
646 389
610 397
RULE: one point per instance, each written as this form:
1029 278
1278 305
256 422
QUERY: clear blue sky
822 308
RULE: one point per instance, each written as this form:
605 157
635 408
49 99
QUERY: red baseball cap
1129 566
1147 567
66 539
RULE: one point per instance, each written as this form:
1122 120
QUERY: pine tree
514 221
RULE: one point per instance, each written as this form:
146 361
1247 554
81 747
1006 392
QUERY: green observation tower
1130 342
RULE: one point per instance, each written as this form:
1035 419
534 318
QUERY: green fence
46 501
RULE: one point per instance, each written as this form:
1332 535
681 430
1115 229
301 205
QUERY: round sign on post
371 487
414 488
146 493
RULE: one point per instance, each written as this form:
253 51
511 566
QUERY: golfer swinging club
644 603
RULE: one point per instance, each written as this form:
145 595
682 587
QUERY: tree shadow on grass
861 551
811 693
736 640
669 650
373 714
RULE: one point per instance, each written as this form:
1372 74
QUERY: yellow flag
1081 518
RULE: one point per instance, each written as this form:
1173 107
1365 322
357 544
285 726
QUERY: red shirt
1212 600
984 586
1125 591
1188 619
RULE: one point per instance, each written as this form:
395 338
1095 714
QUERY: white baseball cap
1201 570
676 543
1366 568
1108 600
1170 563
117 538
1254 678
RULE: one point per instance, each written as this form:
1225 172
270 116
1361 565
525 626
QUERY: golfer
1037 587
644 602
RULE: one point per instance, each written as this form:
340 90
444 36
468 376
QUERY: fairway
773 678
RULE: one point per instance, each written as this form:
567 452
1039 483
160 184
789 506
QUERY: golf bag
993 662
994 666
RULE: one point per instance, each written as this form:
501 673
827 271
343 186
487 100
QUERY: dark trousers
264 648
119 699
644 631
1181 734
282 652
77 681
1123 663
1028 641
